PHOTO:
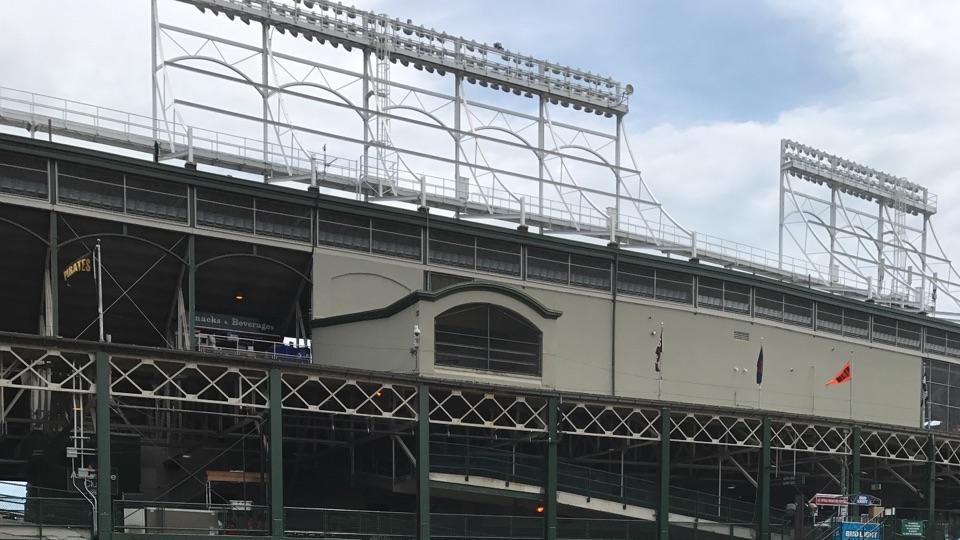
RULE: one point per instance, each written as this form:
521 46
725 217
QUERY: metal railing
153 517
576 214
589 482
250 348
36 513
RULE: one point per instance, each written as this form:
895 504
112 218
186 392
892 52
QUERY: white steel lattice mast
866 232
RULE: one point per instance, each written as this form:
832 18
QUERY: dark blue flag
760 367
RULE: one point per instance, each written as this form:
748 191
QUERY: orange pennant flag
844 376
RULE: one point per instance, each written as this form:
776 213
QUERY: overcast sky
718 83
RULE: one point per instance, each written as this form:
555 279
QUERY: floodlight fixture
352 27
846 176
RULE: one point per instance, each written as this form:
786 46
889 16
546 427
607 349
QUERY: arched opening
487 337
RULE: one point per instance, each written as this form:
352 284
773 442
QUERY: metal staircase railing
589 482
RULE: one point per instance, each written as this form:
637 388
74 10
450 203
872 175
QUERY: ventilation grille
742 336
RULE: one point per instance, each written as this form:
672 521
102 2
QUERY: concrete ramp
595 504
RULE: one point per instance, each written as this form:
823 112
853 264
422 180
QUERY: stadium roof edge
209 180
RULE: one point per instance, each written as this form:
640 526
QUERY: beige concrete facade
598 346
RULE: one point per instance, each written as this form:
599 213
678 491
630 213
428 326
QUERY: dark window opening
487 337
941 396
436 281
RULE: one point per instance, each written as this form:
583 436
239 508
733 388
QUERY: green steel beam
104 498
276 455
663 505
931 529
423 462
855 441
763 482
167 536
550 480
191 291
54 275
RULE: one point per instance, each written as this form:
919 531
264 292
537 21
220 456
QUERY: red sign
826 499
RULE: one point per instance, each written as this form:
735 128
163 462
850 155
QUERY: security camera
416 339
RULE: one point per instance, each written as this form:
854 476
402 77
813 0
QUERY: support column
541 158
423 462
854 509
265 57
931 529
365 166
833 233
550 480
192 292
663 474
104 484
276 455
457 138
763 483
783 146
54 291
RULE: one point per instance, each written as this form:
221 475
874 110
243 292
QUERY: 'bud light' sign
858 531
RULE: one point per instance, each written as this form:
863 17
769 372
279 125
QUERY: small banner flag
659 352
82 264
844 376
760 367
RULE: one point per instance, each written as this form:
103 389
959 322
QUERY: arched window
487 337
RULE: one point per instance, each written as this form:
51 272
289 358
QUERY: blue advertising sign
854 531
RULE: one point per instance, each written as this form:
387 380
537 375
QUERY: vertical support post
931 529
663 474
923 261
54 284
265 92
763 482
457 140
276 455
616 164
550 480
104 497
423 462
153 65
783 152
365 166
880 263
833 233
540 143
855 441
192 292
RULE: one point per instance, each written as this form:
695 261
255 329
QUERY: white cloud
897 113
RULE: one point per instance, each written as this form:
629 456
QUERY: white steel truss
47 370
352 396
810 437
862 231
42 370
196 382
707 428
613 421
483 409
948 451
893 445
